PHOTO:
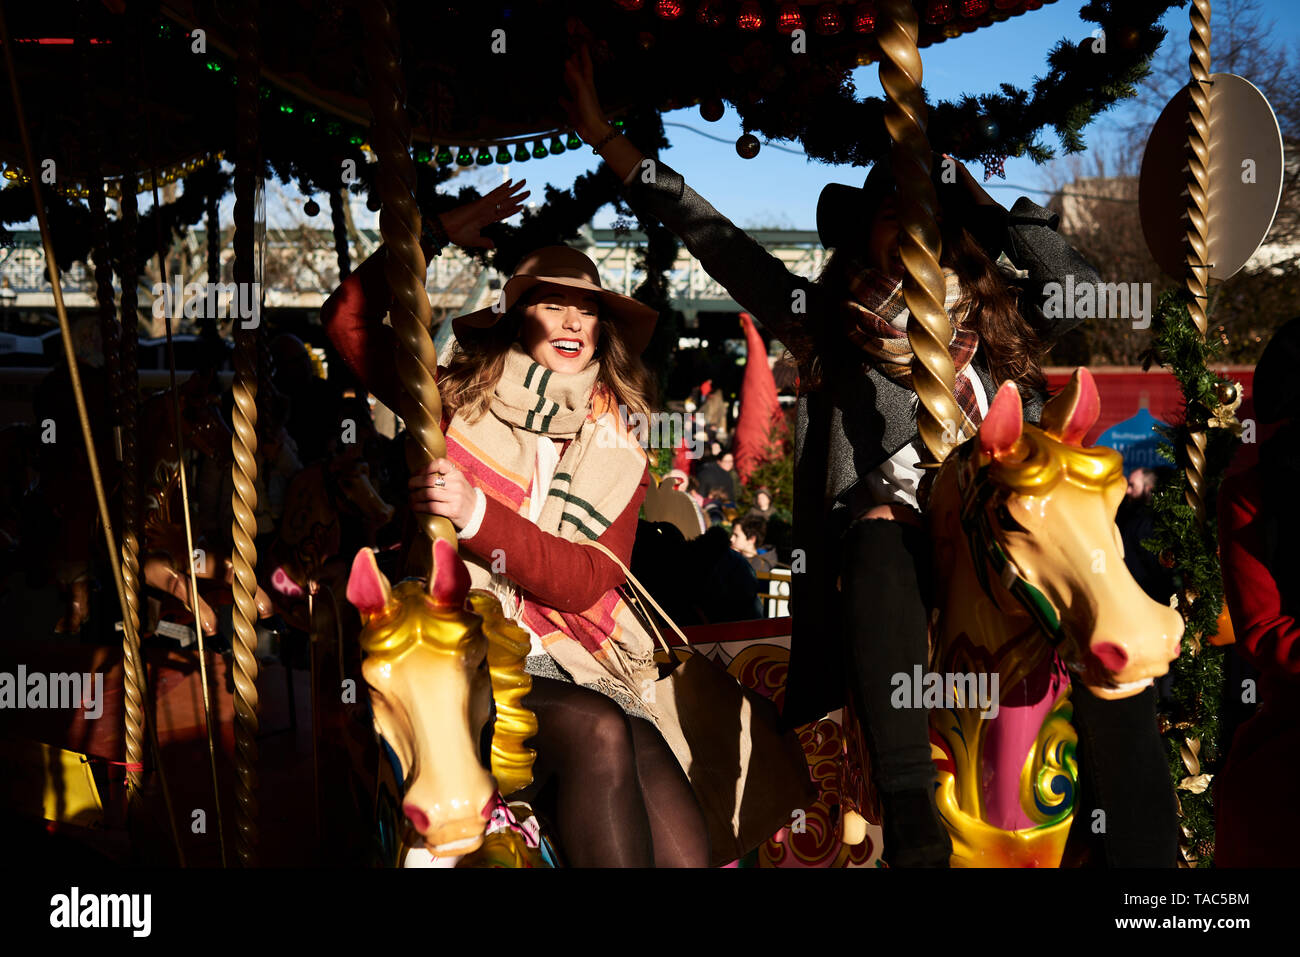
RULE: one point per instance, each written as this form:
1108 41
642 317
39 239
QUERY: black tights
620 797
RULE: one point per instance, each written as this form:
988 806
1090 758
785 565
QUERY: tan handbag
749 777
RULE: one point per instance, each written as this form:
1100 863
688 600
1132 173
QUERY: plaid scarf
604 646
876 321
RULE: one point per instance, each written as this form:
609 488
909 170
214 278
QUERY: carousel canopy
139 87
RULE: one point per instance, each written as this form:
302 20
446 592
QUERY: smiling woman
540 458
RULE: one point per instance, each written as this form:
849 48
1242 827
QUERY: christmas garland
1188 547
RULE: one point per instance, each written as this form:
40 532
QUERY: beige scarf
604 647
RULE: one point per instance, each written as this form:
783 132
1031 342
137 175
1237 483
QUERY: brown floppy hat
565 266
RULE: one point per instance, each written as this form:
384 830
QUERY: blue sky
780 188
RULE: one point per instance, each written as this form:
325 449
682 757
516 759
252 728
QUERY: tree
1097 199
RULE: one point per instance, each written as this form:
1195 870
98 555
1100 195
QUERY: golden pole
1198 184
132 670
939 419
404 265
244 446
179 439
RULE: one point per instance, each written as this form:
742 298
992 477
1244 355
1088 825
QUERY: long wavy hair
475 368
1011 348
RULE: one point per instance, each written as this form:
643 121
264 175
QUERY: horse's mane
1041 460
412 619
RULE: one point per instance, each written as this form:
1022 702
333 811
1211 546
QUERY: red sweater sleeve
561 574
353 317
1269 636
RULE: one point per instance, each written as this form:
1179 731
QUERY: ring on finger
440 482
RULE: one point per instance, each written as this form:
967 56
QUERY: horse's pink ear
1001 428
368 589
1069 414
449 579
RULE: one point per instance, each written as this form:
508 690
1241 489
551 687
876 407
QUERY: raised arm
353 315
1035 246
781 301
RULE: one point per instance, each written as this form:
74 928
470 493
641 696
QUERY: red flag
758 404
681 454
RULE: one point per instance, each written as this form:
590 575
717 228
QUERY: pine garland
1189 547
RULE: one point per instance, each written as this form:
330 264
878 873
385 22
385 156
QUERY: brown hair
477 366
751 526
1010 346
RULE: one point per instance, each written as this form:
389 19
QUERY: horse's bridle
975 489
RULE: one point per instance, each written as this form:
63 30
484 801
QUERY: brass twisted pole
181 468
131 671
939 419
128 273
1198 211
404 265
244 446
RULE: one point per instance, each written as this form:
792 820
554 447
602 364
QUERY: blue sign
1136 440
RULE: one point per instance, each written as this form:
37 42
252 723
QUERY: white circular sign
1245 150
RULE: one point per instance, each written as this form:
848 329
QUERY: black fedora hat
845 213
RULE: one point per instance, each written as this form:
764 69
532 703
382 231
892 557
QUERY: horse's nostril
1112 656
418 818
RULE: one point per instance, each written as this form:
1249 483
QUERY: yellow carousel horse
437 656
1031 582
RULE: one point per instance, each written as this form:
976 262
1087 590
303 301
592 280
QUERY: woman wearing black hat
857 448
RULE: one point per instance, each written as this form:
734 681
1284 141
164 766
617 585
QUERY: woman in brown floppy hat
539 459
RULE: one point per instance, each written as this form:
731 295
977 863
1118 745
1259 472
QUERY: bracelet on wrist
433 233
613 133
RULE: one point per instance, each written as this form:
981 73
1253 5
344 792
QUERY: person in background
314 402
681 482
720 474
747 538
762 507
1136 521
1259 524
724 586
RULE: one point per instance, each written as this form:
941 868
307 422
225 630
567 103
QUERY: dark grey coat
858 419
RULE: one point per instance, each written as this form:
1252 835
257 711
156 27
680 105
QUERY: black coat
857 419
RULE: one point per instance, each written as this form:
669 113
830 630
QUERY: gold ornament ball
1226 392
712 110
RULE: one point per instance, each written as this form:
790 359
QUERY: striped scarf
595 479
876 321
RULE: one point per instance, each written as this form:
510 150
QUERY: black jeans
886 592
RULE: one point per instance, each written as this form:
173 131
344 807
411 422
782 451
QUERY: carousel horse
165 562
437 656
1031 582
309 539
